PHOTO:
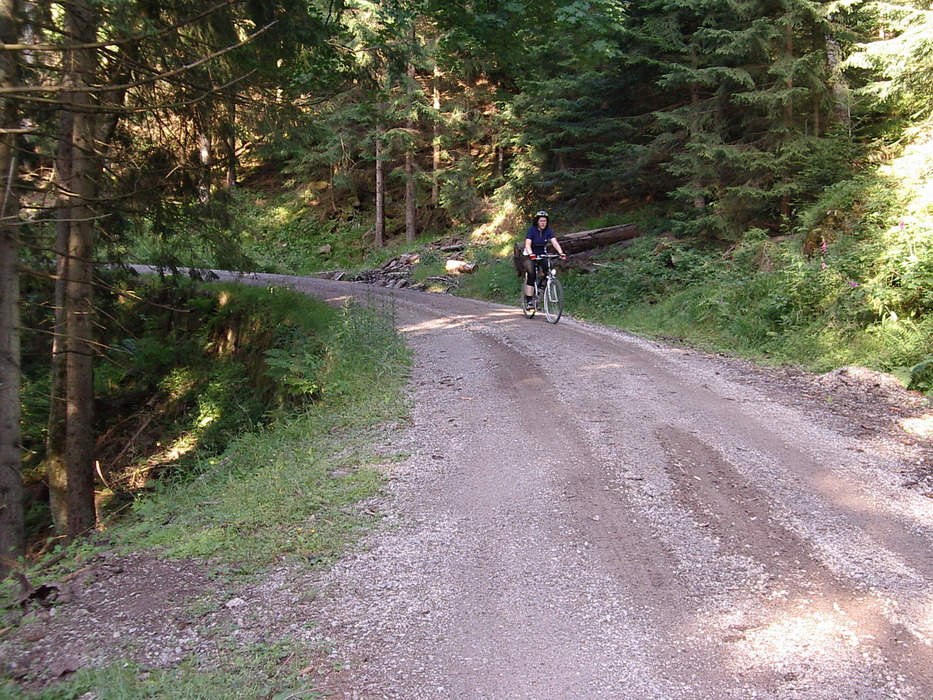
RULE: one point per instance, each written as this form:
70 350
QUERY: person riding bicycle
536 240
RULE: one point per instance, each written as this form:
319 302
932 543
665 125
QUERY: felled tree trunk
580 241
594 238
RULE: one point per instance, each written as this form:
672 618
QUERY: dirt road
589 515
579 514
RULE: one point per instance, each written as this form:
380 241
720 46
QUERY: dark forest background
776 155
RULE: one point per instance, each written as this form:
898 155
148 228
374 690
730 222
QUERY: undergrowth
289 489
852 287
291 486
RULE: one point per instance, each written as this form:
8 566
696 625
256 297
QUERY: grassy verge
289 490
760 300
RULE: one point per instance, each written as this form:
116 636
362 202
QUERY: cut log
594 238
458 267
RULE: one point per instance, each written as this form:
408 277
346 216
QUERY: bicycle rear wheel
553 300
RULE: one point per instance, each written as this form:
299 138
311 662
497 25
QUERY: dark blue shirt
539 239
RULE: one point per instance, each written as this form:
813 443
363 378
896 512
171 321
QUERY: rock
64 665
325 249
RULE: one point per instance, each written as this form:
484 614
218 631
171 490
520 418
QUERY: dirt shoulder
640 522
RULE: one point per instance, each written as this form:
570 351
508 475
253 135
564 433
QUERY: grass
260 671
762 300
293 490
290 489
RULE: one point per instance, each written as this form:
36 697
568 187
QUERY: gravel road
585 514
581 514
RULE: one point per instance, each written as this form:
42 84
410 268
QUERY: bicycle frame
548 292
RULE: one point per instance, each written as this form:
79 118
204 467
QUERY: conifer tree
11 503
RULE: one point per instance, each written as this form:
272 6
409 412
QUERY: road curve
585 514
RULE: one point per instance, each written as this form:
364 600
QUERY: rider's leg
529 278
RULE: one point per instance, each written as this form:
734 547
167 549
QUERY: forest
782 146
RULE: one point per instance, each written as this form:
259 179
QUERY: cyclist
536 240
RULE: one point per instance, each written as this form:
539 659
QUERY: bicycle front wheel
553 301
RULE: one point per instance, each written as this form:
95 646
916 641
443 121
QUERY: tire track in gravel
740 515
669 533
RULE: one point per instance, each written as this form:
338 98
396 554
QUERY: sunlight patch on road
450 322
425 327
788 639
921 612
922 426
825 640
802 646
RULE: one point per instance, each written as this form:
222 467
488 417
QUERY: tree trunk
79 360
436 142
380 196
411 230
55 473
579 241
230 164
840 87
11 480
699 201
410 209
789 104
205 160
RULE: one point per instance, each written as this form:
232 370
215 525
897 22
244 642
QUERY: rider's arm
527 246
557 246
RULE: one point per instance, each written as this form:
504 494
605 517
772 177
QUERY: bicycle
548 293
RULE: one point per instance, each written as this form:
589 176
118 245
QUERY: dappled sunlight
923 614
921 426
460 321
872 526
913 168
184 444
815 640
178 382
501 229
791 638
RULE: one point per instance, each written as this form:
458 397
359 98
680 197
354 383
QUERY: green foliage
298 370
921 376
368 355
289 489
650 269
179 234
261 670
287 232
769 301
901 62
493 280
